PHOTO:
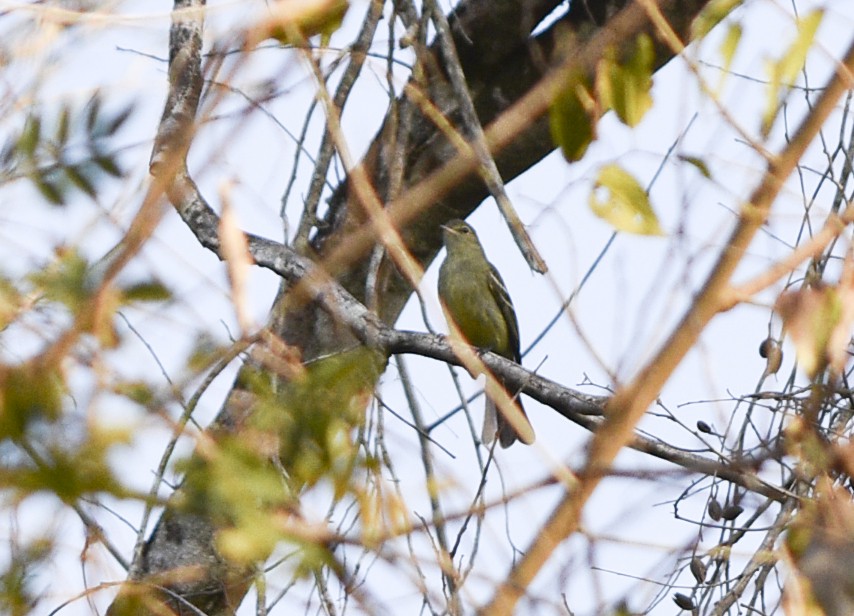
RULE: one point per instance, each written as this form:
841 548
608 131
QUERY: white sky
631 302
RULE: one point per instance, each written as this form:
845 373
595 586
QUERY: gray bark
502 61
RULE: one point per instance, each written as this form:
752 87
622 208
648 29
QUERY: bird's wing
499 292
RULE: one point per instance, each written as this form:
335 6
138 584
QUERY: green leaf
108 164
308 425
73 472
151 291
28 392
117 121
793 60
625 88
72 155
50 190
205 353
78 177
573 119
65 281
68 282
30 136
698 163
235 483
11 302
784 72
314 415
713 13
625 203
93 112
19 587
62 126
139 392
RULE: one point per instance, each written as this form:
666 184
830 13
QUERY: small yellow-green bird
475 299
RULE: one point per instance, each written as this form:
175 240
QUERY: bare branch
630 402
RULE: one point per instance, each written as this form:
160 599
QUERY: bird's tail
495 422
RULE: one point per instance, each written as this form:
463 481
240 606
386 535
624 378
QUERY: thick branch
582 409
631 402
512 96
502 63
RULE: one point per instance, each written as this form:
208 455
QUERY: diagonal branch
580 408
496 52
629 403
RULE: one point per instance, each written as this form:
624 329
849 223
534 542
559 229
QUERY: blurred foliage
291 23
711 15
818 320
618 198
300 434
573 117
783 72
65 150
29 392
306 432
622 84
73 283
17 597
71 470
820 542
42 452
626 86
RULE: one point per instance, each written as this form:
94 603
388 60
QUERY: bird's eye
465 230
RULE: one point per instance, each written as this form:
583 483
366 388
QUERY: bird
475 299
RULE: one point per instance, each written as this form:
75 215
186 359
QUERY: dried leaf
698 570
819 323
771 350
683 601
715 510
234 250
731 512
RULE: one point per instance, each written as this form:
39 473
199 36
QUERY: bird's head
458 233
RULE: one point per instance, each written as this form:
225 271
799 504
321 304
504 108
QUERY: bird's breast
469 303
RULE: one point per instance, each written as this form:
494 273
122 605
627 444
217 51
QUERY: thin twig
631 401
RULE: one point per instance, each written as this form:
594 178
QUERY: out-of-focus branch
578 407
487 166
631 401
494 44
523 116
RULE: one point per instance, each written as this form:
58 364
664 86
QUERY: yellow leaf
618 198
728 48
811 317
711 16
625 87
783 72
292 21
